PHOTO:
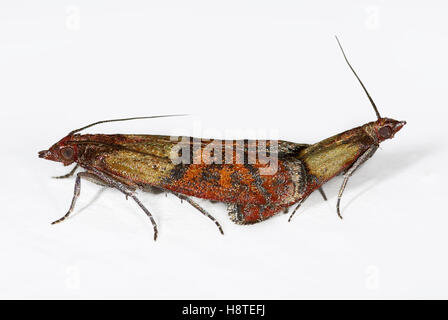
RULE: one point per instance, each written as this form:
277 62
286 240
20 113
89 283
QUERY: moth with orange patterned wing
250 183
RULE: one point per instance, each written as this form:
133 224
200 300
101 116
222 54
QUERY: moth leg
68 174
148 214
76 193
102 179
363 158
125 189
323 193
111 182
202 210
296 208
301 200
88 176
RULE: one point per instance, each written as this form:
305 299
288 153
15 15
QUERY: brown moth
129 162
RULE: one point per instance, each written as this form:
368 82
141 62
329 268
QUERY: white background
265 66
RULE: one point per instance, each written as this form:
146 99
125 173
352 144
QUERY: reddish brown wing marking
230 183
285 188
238 182
144 161
253 196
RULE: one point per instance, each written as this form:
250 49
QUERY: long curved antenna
125 119
365 90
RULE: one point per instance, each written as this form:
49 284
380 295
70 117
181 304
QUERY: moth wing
162 146
145 160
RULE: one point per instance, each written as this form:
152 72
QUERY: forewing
147 160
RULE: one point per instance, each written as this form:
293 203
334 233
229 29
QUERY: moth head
386 128
62 151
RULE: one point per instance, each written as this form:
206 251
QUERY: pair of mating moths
130 162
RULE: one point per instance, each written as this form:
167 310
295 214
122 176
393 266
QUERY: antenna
362 85
125 119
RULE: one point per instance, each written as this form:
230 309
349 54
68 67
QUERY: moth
130 162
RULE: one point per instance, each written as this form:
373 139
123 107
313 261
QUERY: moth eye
385 132
67 153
